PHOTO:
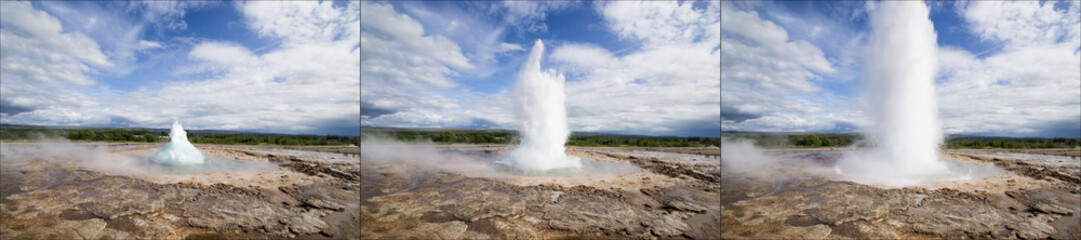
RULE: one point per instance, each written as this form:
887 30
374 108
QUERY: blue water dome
178 151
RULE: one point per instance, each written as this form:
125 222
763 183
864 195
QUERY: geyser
542 119
900 65
178 151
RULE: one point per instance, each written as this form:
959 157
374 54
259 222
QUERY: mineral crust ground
298 193
657 195
1037 196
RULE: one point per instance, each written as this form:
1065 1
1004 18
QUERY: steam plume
543 118
900 67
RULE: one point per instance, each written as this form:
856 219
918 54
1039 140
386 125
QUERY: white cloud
303 87
662 22
144 44
120 28
301 22
758 53
508 47
32 32
1022 23
767 79
224 53
669 87
166 14
407 69
529 15
581 57
396 51
42 67
1029 88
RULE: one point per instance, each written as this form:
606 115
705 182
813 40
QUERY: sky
644 68
1004 68
279 67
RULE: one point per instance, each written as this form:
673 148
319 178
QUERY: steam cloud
741 156
543 115
900 67
102 158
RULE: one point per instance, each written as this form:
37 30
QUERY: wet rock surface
55 200
444 205
1032 200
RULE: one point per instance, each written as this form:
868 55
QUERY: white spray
178 151
543 116
900 67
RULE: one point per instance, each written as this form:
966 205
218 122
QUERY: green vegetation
445 136
1001 142
471 137
140 135
272 139
23 133
798 140
814 140
9 132
641 141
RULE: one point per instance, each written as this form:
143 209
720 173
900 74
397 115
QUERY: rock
1035 228
307 223
814 182
447 230
153 229
555 196
90 228
430 206
685 206
324 204
812 232
1054 209
669 225
509 230
1016 195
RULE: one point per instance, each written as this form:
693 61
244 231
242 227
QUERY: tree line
1013 143
641 141
145 135
803 140
470 137
508 137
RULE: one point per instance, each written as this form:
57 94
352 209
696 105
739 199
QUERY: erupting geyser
543 118
900 67
178 151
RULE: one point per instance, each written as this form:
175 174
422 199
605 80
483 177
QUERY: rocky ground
654 196
47 194
1035 197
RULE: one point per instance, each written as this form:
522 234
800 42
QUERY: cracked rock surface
1030 200
52 198
438 204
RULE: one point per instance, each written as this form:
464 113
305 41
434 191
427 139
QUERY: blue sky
282 67
1005 68
650 68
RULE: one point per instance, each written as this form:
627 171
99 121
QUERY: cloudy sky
284 67
648 68
1005 68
